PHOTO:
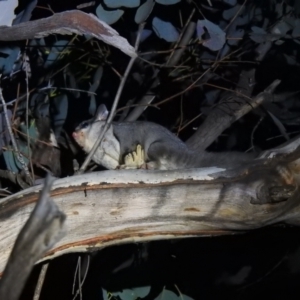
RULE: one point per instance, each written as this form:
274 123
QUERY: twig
40 282
114 106
80 282
184 38
185 90
235 16
176 54
254 129
14 143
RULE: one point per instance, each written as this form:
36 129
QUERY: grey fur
163 150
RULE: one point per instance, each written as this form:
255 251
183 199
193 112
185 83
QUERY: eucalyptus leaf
133 294
7 63
25 15
167 295
244 19
257 11
279 9
296 30
226 49
279 125
93 105
142 291
262 49
107 16
165 30
32 131
167 2
119 3
105 294
185 297
59 110
126 294
228 14
96 80
281 28
55 52
7 12
144 11
10 161
279 42
70 82
217 36
98 74
258 34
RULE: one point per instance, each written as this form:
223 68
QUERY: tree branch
229 110
114 207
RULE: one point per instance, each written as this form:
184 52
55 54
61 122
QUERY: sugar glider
162 149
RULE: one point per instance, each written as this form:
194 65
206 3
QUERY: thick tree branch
114 207
67 22
229 110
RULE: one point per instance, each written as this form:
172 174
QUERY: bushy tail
221 159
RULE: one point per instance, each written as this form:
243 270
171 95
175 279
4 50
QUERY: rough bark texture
114 207
229 110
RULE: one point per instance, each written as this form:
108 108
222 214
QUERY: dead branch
114 207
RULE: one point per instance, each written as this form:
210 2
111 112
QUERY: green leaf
144 11
109 17
104 294
134 293
119 3
165 30
217 37
10 161
167 295
32 131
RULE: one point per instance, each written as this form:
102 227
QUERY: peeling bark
67 22
114 207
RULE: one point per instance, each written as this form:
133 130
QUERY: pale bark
67 22
114 207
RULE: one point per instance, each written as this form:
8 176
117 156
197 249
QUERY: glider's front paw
134 160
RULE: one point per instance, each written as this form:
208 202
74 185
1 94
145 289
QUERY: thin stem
115 104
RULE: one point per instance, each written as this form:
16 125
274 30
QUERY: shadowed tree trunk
114 207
